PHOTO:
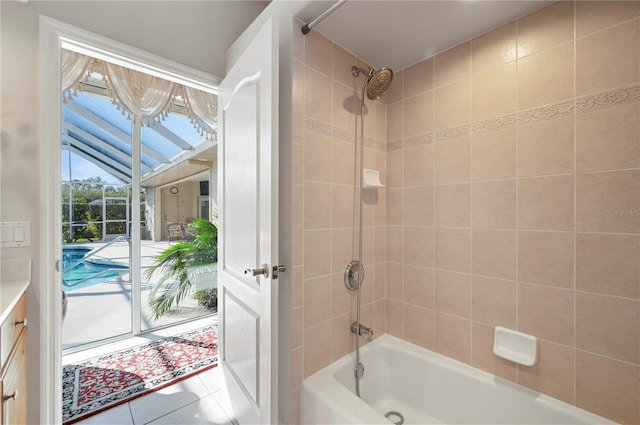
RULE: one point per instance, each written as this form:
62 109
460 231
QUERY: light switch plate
15 234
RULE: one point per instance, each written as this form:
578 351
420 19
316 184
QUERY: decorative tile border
344 135
544 113
585 104
606 100
368 142
340 134
423 139
452 133
394 146
317 127
494 124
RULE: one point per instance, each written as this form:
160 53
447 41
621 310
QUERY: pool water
84 270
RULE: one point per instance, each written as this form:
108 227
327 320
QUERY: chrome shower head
377 81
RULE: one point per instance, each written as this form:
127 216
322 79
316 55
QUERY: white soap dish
371 179
515 346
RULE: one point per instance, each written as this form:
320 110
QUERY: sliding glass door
96 253
139 241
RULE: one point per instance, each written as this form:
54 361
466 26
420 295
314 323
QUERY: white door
169 213
248 231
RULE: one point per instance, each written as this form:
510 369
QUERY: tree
87 197
175 266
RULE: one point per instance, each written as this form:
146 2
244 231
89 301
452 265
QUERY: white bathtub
427 388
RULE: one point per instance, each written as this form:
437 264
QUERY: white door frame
53 34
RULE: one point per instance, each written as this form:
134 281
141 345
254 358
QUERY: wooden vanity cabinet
13 354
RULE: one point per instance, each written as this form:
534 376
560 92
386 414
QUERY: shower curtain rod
307 27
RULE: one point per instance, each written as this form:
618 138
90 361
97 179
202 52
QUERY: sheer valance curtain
141 96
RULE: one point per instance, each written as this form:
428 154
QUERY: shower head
377 81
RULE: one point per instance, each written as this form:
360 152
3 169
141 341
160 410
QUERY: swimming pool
86 273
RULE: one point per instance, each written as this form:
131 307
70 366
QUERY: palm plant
176 266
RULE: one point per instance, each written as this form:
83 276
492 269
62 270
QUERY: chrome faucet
363 331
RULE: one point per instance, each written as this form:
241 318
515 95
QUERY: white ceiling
396 34
193 33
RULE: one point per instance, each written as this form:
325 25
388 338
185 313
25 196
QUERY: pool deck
118 252
102 311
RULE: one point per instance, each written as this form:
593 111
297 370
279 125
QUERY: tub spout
364 331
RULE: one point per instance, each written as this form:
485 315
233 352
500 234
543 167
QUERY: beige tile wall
512 165
325 103
513 199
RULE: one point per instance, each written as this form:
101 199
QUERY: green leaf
170 266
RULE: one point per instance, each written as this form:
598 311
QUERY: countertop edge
10 295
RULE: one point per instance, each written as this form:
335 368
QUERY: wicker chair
175 230
179 231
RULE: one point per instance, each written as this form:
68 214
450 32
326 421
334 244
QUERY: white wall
19 192
192 33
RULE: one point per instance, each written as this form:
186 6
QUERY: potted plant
183 266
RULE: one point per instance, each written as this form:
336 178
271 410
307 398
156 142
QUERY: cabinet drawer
10 331
14 385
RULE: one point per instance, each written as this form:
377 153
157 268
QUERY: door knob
263 270
13 396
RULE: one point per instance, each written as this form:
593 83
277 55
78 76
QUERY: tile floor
196 400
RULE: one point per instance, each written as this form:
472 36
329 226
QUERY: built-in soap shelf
371 179
515 346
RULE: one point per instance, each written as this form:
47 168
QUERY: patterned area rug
107 381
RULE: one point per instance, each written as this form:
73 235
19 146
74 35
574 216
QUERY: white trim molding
53 36
50 216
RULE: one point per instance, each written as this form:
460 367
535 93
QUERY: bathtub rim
326 386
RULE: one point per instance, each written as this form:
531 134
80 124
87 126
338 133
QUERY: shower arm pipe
306 28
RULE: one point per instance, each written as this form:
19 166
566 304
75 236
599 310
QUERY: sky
82 169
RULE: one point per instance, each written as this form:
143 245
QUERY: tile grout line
302 149
471 138
575 209
517 212
433 205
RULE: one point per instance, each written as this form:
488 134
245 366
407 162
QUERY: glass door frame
52 35
134 216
